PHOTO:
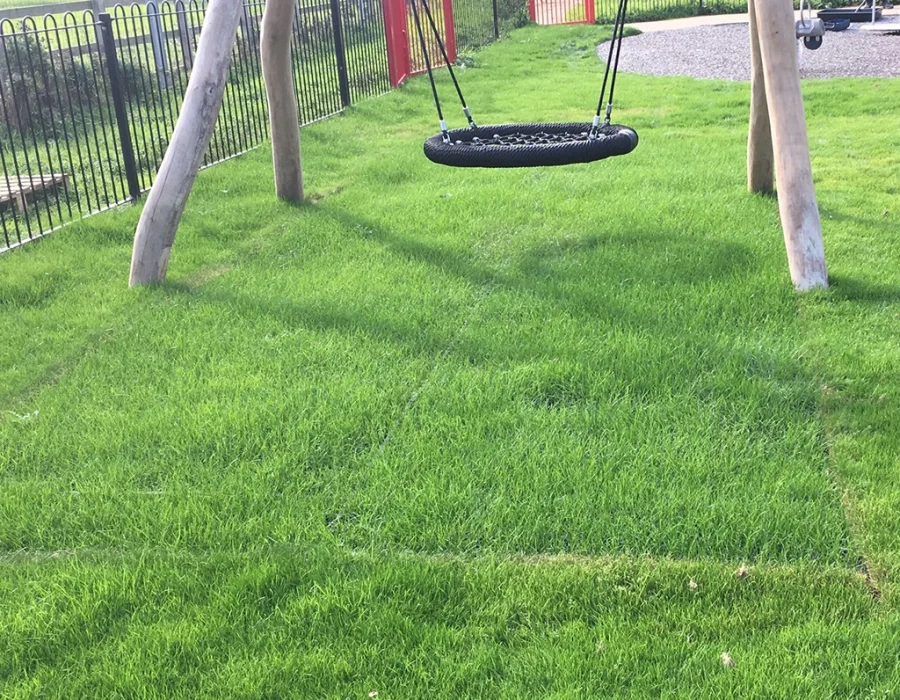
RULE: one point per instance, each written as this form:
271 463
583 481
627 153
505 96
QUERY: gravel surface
723 52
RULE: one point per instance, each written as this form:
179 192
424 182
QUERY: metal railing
88 104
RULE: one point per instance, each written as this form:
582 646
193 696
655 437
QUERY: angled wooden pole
159 220
284 121
760 158
793 170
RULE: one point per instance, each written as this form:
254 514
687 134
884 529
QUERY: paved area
719 47
713 20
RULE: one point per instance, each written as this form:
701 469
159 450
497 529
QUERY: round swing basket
530 145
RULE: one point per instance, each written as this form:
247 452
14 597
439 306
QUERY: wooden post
202 100
793 171
760 158
284 122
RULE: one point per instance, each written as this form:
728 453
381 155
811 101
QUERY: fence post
396 32
590 14
449 31
340 53
496 19
532 14
118 95
157 39
98 7
184 36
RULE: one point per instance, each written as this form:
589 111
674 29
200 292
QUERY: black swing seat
530 145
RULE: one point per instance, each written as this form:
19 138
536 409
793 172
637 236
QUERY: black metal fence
88 104
479 22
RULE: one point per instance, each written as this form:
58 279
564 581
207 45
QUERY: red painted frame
397 39
590 13
449 31
397 36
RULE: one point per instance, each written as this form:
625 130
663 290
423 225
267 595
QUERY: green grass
466 433
13 4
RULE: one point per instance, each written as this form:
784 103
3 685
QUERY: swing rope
614 44
434 91
525 145
449 64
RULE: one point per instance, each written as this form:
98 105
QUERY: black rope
609 59
612 85
434 92
440 43
612 67
615 44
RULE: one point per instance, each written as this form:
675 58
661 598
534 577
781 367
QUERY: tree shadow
880 224
673 258
861 290
606 263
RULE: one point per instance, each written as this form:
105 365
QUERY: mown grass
466 433
318 623
10 4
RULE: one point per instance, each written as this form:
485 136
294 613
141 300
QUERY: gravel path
724 52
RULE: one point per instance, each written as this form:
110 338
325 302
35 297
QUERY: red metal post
397 39
449 31
532 15
590 16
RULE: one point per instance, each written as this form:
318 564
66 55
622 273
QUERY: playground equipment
526 145
867 11
161 215
777 136
837 25
778 143
808 29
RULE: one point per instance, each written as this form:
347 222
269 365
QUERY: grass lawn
446 433
14 4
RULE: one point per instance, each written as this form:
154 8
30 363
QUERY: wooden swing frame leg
162 213
778 108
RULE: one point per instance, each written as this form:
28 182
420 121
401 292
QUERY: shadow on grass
872 225
666 259
314 316
574 274
860 290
